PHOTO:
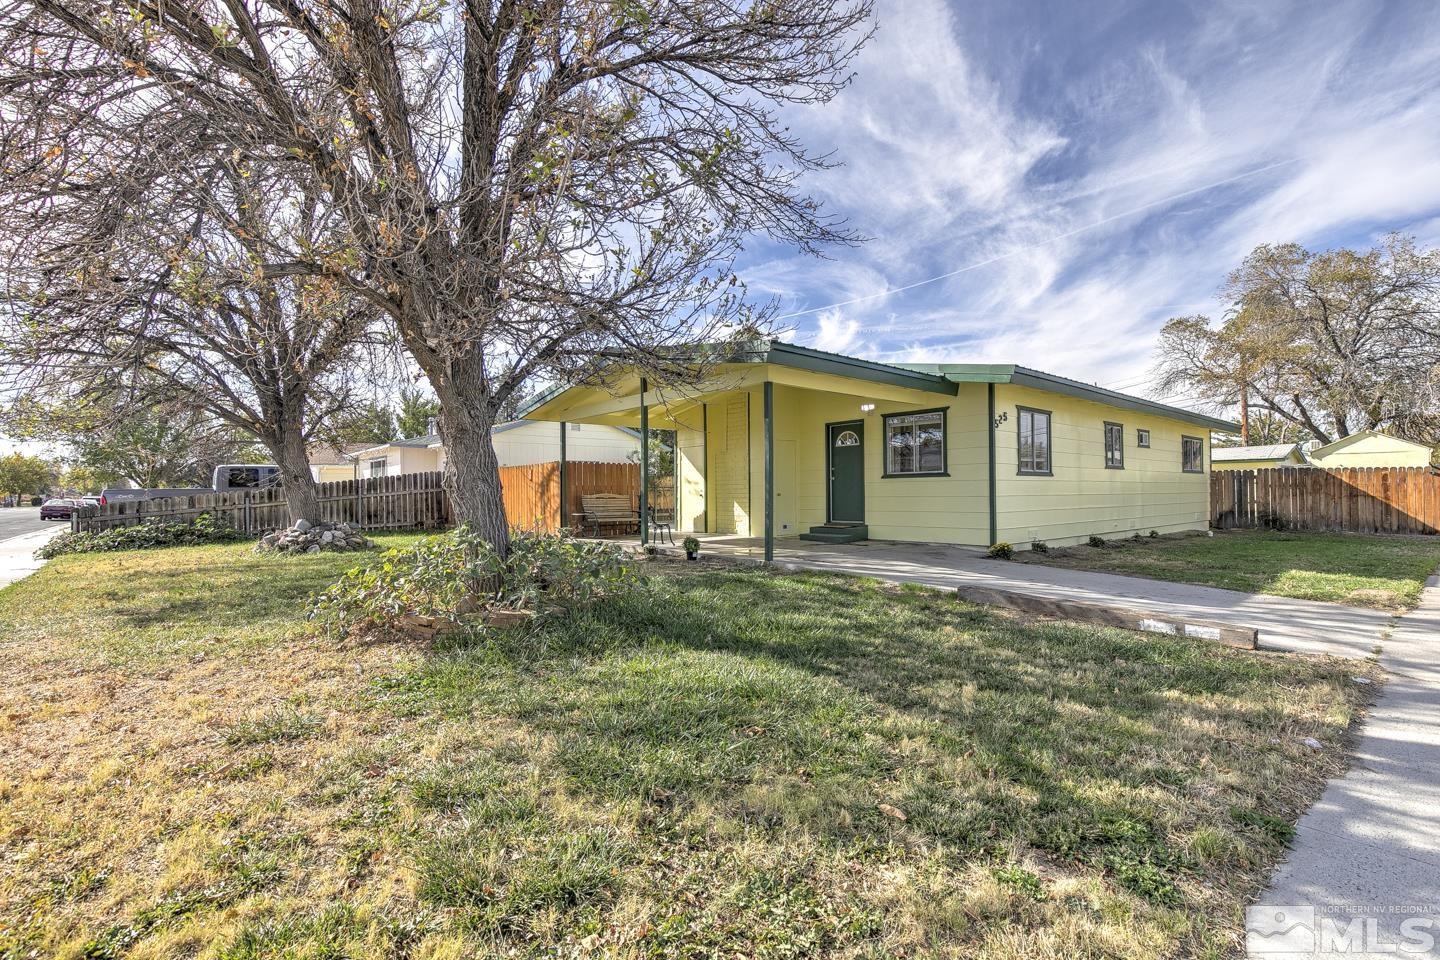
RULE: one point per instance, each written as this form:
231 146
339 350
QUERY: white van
245 476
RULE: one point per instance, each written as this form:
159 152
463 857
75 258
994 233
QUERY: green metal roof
943 378
1040 380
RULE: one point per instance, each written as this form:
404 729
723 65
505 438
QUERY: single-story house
330 462
780 441
517 443
1369 448
1264 457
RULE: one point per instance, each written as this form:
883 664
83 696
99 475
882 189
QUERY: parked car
245 476
58 508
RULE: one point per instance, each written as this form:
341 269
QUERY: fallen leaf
895 812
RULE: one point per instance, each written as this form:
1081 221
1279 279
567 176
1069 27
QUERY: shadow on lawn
803 702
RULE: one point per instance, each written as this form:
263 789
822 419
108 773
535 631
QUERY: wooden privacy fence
412 501
532 493
1351 500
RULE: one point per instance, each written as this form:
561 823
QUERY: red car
58 509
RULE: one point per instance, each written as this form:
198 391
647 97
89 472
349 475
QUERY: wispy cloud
1099 170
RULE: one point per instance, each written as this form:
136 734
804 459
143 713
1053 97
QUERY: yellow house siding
690 504
940 509
1083 497
727 442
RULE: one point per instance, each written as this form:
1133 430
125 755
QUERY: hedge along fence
412 501
1348 500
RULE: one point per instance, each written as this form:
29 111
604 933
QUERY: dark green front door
846 445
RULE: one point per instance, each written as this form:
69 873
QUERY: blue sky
1093 169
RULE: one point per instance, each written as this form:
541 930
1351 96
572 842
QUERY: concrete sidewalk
1370 848
1305 626
17 554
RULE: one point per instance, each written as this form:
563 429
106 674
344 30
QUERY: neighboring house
951 453
517 443
1257 458
1370 448
329 463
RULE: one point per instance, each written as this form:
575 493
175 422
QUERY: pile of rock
307 537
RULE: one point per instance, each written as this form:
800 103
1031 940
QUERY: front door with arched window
845 460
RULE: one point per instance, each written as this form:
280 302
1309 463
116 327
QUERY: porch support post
644 464
564 487
990 433
769 471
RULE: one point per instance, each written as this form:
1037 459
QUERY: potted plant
692 548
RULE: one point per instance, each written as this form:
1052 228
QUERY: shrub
691 544
207 528
452 575
1096 541
1039 546
1000 551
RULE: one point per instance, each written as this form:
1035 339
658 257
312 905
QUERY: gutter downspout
990 434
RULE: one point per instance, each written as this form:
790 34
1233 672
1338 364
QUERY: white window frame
383 463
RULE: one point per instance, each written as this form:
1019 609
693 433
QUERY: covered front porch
795 443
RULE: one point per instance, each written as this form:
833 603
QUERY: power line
1033 246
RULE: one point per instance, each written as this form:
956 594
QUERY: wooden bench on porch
602 510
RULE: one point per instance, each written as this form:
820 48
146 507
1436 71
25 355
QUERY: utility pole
1244 414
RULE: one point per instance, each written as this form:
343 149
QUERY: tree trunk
472 471
302 495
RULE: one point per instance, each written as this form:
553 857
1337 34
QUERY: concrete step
837 533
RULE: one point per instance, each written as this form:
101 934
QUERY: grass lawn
726 763
1383 572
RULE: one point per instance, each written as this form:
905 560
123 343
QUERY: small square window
1114 446
1142 437
1192 455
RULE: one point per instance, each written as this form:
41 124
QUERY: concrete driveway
1306 626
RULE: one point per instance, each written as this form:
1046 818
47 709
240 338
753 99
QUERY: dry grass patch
727 763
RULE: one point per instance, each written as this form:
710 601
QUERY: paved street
17 520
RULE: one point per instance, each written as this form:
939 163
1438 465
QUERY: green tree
417 413
373 422
24 475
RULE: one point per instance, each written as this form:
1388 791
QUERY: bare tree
528 186
1331 343
164 300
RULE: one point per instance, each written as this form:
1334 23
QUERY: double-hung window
1192 455
377 467
1034 441
1114 446
915 444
